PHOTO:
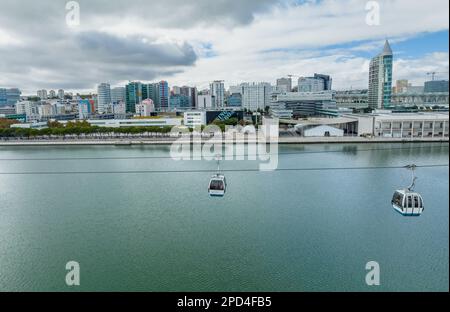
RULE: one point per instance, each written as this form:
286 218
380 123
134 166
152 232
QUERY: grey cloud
51 55
135 50
83 60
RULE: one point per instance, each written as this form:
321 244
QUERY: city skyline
259 41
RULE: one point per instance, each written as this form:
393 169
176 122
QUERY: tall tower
104 97
217 89
380 79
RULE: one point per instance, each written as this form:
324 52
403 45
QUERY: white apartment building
205 101
30 109
217 90
195 118
46 110
145 108
42 94
256 95
61 94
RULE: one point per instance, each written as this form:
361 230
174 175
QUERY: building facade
118 95
133 96
256 96
61 94
205 101
217 90
145 108
234 100
9 97
42 94
305 104
179 102
284 85
310 84
380 79
104 98
436 86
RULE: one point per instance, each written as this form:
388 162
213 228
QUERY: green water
279 231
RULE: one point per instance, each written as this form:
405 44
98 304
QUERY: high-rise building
327 81
284 85
3 98
436 86
310 84
179 102
149 91
217 90
163 95
380 79
9 97
118 95
103 98
61 94
42 94
133 96
52 94
256 96
176 90
191 93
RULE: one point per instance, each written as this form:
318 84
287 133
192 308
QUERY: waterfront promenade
169 140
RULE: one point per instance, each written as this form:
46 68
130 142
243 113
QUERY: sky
195 42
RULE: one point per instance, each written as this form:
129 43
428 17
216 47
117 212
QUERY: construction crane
433 75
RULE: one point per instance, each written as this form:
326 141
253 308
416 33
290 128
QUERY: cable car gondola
407 202
218 183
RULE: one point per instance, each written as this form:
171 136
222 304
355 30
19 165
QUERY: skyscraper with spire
380 79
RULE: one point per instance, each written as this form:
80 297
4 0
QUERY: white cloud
252 42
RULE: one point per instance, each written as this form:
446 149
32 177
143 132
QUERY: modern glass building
118 95
380 79
179 102
235 100
133 96
163 95
436 86
9 97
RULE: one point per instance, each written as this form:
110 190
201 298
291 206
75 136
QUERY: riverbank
169 141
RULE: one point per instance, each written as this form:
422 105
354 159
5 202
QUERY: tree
6 123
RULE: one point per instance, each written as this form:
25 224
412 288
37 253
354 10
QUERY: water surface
277 231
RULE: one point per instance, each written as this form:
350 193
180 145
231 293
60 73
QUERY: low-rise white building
319 131
403 125
122 123
195 118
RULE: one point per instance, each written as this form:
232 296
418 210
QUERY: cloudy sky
192 42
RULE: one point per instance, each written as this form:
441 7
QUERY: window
398 199
410 202
416 201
